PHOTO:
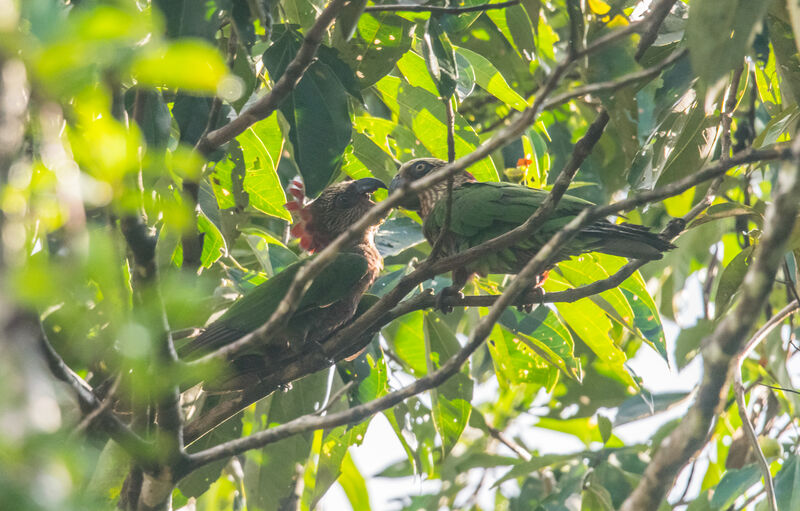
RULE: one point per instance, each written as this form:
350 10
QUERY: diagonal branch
618 83
719 350
307 423
314 267
438 9
134 445
659 12
265 106
739 390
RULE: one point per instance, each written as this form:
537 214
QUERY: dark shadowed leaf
451 400
317 112
715 52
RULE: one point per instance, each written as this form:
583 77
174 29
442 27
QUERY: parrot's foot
533 298
444 294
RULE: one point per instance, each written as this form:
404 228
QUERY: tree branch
739 391
307 423
439 10
659 12
727 339
618 83
356 334
265 106
134 445
314 267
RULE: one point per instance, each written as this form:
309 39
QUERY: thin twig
264 107
304 276
618 83
508 442
726 340
783 389
438 9
133 444
451 155
738 388
659 12
94 414
307 423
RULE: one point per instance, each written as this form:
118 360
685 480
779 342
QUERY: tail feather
628 240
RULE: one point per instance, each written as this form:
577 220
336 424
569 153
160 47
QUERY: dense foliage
145 151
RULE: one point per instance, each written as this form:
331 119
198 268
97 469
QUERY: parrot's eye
420 168
346 200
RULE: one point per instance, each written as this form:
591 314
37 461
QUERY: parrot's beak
398 183
368 185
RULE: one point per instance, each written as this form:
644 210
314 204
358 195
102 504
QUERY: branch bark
720 349
265 106
308 272
439 10
739 391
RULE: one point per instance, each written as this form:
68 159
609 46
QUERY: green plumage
482 211
328 303
336 283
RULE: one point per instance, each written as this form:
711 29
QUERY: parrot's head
339 206
418 168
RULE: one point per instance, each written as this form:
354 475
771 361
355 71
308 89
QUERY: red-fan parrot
482 211
329 302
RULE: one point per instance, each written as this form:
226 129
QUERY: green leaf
415 71
354 485
406 338
269 473
727 210
440 58
605 426
714 53
691 147
379 41
787 484
733 485
645 405
425 114
779 124
347 21
261 145
783 34
687 345
452 399
535 464
490 79
584 429
730 280
191 65
213 241
302 12
317 112
592 325
646 318
198 481
398 234
536 341
154 118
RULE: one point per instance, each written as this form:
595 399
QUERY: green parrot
330 301
482 211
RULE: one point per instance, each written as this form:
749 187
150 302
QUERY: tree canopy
147 149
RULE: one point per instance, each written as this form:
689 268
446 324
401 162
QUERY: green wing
482 211
254 309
